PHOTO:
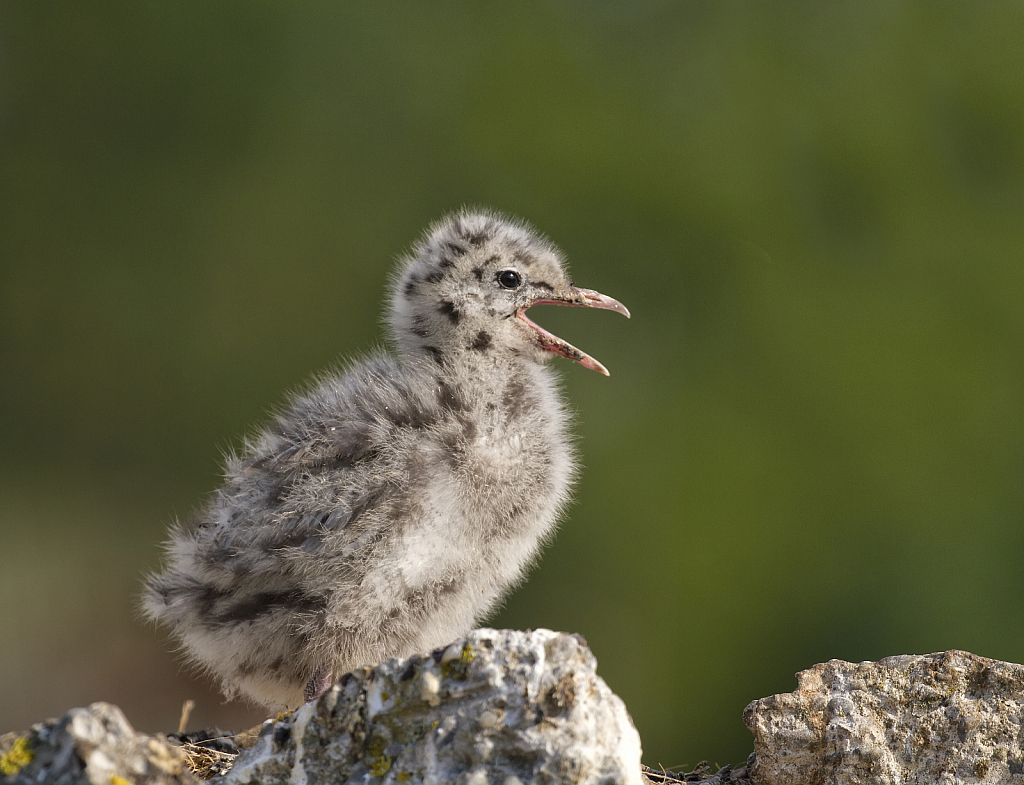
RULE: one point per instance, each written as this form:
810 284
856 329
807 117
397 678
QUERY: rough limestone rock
91 746
510 708
940 719
503 707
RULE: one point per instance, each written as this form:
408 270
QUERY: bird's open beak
586 298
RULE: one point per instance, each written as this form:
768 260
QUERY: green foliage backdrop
812 441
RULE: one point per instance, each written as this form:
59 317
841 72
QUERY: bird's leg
317 685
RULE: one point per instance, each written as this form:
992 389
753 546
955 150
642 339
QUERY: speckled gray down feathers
390 507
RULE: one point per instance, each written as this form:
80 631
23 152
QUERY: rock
502 707
95 745
511 708
944 718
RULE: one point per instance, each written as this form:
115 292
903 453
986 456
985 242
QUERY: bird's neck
492 380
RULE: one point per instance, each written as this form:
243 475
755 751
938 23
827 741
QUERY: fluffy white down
388 509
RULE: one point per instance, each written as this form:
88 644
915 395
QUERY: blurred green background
812 442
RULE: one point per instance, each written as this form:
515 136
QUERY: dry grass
206 763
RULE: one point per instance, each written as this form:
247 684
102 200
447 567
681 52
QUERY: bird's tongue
553 343
586 298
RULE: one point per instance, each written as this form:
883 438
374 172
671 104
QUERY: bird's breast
487 482
495 454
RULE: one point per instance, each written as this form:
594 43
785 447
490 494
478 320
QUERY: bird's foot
317 685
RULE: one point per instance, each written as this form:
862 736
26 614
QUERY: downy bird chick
388 509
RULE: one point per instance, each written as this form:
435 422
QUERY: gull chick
388 509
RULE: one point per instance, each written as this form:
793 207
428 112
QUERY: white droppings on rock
453 652
300 720
379 699
430 685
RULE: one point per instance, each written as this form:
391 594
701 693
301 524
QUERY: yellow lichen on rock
17 757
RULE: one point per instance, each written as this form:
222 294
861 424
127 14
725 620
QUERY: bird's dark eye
509 279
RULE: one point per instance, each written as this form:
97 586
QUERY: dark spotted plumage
482 342
448 309
388 509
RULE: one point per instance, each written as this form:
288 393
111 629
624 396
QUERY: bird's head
466 287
